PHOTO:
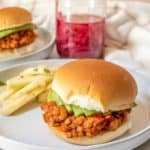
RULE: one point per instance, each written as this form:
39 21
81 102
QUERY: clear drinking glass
80 30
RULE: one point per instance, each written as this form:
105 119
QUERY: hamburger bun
95 84
99 139
11 17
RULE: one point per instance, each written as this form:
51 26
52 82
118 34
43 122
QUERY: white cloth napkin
128 34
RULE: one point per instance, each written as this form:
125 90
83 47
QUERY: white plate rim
118 141
61 61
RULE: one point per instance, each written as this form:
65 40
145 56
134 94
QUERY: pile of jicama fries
31 84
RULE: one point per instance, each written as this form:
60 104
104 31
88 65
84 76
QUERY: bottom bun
106 137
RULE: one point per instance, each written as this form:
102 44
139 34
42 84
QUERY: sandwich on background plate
16 28
90 102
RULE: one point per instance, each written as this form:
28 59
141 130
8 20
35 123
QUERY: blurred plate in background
39 49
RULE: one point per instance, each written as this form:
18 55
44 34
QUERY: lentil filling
79 126
17 40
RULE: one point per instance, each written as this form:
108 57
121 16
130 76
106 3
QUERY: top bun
95 84
14 16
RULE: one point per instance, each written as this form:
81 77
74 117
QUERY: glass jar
80 28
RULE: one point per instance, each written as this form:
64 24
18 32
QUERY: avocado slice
51 97
54 97
71 108
89 112
77 110
6 32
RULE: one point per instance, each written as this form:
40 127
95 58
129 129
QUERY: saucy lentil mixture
79 126
17 40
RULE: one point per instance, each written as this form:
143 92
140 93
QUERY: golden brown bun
106 137
14 16
107 84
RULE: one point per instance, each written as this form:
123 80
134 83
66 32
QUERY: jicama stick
6 94
2 88
18 83
43 96
10 106
40 70
33 85
23 96
29 85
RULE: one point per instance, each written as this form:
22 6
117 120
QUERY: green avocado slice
77 110
89 112
54 97
6 32
71 108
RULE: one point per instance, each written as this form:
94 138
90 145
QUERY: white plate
27 131
39 49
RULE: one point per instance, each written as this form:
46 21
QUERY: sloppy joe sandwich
90 102
16 28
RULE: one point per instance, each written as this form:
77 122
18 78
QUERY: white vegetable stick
43 96
2 88
43 70
33 85
10 106
7 93
20 91
13 92
17 83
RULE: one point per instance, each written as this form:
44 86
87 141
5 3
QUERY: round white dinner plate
26 129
